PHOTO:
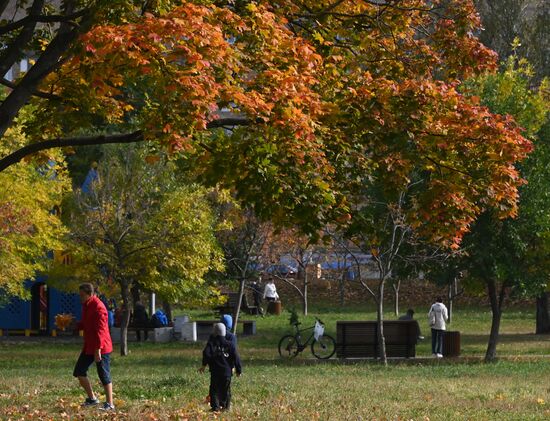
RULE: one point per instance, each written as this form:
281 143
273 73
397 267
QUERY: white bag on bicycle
318 331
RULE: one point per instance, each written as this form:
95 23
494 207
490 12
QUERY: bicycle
323 346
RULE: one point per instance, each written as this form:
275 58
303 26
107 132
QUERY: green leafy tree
509 255
30 227
243 242
141 224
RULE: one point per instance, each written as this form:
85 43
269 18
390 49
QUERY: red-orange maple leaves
338 93
174 73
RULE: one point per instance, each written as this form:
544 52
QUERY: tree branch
4 29
18 155
15 48
133 137
38 94
48 61
3 5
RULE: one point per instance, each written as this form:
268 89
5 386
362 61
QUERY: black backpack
221 349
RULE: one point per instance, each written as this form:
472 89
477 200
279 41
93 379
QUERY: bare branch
4 29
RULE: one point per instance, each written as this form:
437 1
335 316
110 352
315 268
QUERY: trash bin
274 307
451 344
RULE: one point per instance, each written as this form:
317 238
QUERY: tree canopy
333 93
30 228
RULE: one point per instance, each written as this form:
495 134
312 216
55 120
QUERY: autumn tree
243 242
291 248
140 224
349 106
30 225
510 255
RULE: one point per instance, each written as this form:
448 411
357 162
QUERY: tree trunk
380 324
543 314
239 302
167 307
495 300
125 291
451 299
396 296
304 296
342 289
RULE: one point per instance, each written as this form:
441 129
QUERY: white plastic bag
318 331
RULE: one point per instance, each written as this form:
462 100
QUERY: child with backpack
221 356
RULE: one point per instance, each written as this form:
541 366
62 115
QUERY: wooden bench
231 304
204 328
359 339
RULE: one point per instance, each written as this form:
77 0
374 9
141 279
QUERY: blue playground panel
16 314
62 302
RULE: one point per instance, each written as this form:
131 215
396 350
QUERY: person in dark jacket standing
221 356
141 319
97 347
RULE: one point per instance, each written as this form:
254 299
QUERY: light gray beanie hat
219 329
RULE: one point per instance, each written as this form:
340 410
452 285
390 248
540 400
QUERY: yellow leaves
28 193
541 401
43 44
318 37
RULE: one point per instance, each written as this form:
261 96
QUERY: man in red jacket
97 347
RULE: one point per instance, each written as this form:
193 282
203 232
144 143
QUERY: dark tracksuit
141 320
221 356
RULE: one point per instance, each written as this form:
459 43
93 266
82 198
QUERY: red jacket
95 324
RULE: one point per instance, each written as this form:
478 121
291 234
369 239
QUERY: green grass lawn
161 381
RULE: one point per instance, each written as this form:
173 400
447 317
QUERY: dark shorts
85 361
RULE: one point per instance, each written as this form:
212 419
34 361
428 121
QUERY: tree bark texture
239 303
496 299
305 297
543 314
396 297
125 290
380 324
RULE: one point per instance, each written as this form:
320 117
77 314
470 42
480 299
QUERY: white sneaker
107 407
434 355
439 355
90 402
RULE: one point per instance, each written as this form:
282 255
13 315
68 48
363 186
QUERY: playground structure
37 315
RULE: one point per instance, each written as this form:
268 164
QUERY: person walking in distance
437 317
270 291
97 347
221 356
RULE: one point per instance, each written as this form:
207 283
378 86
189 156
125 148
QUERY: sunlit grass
161 381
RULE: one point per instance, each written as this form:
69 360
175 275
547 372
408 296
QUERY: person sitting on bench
410 316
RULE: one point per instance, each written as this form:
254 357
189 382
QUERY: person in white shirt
437 317
270 291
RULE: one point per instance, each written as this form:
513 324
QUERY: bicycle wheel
288 346
324 348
